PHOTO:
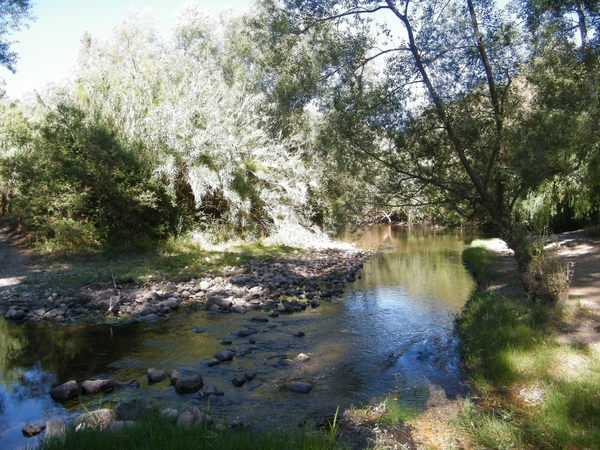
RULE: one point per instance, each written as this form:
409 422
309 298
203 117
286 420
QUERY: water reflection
391 334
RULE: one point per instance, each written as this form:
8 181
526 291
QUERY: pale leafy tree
202 129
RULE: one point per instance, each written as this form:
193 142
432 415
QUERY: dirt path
582 308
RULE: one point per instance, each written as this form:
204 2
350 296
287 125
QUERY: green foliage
13 15
76 187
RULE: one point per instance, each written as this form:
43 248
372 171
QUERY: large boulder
189 384
94 419
191 416
65 391
55 428
96 386
156 376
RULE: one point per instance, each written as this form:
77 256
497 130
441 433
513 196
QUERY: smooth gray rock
156 376
94 419
65 391
55 428
191 416
189 384
31 429
224 355
96 386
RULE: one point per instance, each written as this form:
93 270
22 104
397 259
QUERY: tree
13 15
456 113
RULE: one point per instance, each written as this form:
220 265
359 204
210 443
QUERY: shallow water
390 336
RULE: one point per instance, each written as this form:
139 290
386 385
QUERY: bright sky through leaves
48 48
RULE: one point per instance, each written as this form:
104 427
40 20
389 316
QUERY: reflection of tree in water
424 260
11 344
67 352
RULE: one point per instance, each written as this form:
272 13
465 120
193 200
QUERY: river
389 337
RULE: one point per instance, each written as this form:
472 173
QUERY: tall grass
159 433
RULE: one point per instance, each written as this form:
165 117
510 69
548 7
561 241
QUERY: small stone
156 376
31 429
224 355
238 381
302 357
299 334
299 387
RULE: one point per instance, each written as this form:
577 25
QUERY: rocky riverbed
277 285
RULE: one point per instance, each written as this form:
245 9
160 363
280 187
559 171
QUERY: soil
434 428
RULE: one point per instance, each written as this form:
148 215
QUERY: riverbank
534 369
149 287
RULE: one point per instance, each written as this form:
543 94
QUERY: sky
48 49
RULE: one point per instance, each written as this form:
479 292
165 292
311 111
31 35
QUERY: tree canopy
13 16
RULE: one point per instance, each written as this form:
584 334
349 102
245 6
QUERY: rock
213 363
171 303
213 390
55 428
299 334
315 303
249 376
133 409
65 391
189 384
239 309
96 386
31 429
302 357
204 285
221 303
226 342
259 319
299 387
238 381
156 376
94 419
245 333
191 416
224 355
150 318
174 376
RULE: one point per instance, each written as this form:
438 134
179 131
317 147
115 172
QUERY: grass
530 391
173 260
156 432
479 260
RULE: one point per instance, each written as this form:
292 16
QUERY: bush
76 186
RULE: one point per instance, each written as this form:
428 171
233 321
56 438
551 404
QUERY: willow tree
454 108
189 108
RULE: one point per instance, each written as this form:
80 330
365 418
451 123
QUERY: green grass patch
533 393
173 260
158 433
480 260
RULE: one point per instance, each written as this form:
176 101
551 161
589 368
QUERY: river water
389 337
